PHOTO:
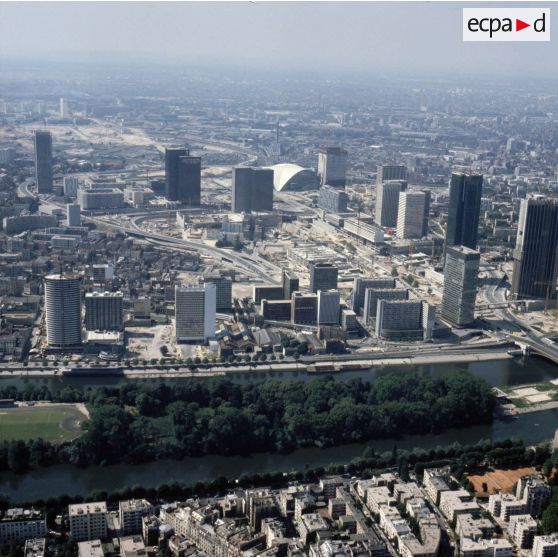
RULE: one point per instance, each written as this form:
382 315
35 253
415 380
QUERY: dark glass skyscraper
43 161
172 157
331 199
189 180
290 284
332 166
465 191
535 265
323 277
252 189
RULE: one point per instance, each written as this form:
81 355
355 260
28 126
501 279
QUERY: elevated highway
252 265
242 261
536 346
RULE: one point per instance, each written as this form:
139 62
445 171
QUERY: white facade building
88 521
410 216
64 111
63 310
195 312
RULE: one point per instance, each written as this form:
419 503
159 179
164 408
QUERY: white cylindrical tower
63 310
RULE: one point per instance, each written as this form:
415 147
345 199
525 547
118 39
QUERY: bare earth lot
501 480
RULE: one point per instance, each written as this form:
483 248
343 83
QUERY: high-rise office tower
223 292
267 292
426 215
43 161
103 311
385 173
241 198
63 310
332 199
460 285
413 206
252 189
276 310
332 166
304 308
195 309
73 215
328 307
399 319
262 190
387 202
172 158
361 284
64 112
372 296
189 180
290 284
323 277
535 261
465 191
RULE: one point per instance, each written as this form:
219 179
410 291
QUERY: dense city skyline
276 280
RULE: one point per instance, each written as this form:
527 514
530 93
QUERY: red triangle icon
519 25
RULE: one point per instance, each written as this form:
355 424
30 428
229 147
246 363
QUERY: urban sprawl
203 228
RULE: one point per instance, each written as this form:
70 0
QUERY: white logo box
492 24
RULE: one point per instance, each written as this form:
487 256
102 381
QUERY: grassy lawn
52 422
163 428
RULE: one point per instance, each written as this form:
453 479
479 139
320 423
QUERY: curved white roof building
287 176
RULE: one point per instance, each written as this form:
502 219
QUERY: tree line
136 422
461 458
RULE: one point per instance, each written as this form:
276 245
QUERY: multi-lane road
252 265
521 332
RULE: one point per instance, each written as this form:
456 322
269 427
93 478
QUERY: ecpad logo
506 24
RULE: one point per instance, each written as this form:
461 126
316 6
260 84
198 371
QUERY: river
500 373
66 479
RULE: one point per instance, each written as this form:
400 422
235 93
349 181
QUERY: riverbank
338 365
512 410
324 367
527 398
56 480
502 373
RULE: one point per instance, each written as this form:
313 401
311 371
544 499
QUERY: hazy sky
415 37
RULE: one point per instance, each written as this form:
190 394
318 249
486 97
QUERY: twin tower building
408 212
535 261
252 188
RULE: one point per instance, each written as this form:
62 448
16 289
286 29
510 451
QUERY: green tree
18 456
